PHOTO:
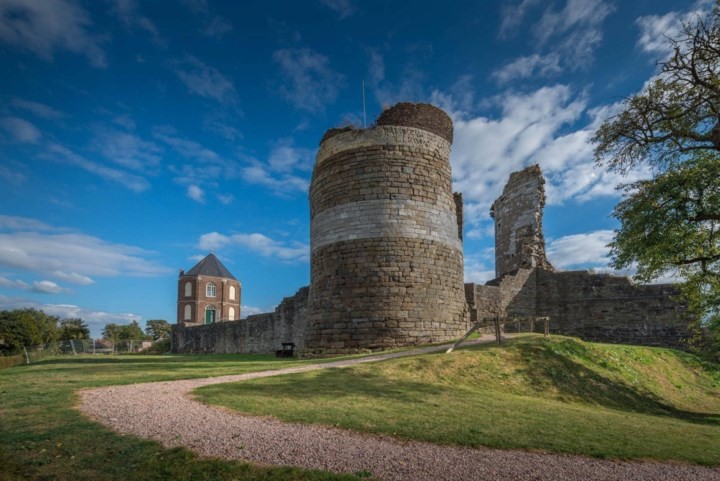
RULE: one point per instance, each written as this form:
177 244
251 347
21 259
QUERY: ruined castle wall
261 333
386 257
606 308
513 295
519 241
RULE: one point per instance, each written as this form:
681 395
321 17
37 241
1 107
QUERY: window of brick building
188 289
210 290
232 293
188 312
231 314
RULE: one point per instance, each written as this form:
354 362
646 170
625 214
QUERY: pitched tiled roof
210 266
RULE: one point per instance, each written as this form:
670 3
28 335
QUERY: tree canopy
26 327
671 222
678 113
73 329
157 328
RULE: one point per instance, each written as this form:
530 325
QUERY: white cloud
250 311
46 26
259 243
530 66
127 12
196 193
285 157
47 287
69 256
581 250
570 35
214 25
344 8
284 185
14 223
534 127
127 150
67 156
478 266
655 30
72 277
206 81
20 130
217 27
12 176
36 108
310 83
225 199
185 147
514 15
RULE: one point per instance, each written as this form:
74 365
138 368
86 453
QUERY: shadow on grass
546 367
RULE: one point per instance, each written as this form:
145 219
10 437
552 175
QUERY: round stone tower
386 253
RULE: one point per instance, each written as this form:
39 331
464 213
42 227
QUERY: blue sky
137 136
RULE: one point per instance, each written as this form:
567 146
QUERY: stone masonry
519 241
386 263
595 307
386 255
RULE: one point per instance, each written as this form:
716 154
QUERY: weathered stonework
387 260
595 307
519 241
386 257
261 333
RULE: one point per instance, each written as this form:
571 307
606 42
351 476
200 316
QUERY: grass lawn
557 394
42 437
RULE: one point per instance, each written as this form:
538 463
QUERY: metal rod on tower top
364 117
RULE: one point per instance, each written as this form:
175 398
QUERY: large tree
157 328
671 222
73 329
26 327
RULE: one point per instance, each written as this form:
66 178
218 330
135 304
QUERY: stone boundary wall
594 307
606 308
257 334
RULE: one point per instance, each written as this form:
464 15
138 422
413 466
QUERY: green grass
42 436
557 394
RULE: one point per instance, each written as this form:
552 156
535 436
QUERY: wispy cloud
196 193
36 108
530 66
20 130
581 250
126 149
308 81
258 243
67 156
568 35
213 25
45 27
250 311
285 171
344 8
204 80
656 29
30 245
127 12
539 126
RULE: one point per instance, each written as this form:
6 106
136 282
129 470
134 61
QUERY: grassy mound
558 394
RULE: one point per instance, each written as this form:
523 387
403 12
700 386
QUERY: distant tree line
32 327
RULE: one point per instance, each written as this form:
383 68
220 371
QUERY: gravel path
164 411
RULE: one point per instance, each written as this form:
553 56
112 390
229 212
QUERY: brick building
208 293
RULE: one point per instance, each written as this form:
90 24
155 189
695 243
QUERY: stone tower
208 293
386 254
519 241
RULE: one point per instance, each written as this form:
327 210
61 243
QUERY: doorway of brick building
209 314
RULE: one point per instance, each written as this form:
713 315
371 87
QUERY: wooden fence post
547 326
498 338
